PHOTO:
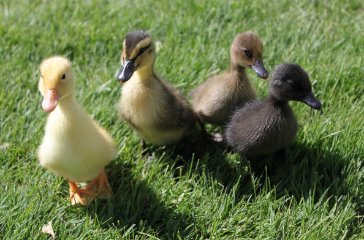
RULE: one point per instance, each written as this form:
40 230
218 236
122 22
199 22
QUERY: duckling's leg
103 186
281 155
78 195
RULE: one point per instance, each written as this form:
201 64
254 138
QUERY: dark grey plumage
262 128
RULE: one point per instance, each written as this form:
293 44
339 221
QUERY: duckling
153 108
261 129
215 99
74 146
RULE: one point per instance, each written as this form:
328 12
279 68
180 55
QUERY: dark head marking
132 39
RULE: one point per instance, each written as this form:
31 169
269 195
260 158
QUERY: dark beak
126 71
260 70
311 101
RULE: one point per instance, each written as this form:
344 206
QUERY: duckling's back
214 100
261 128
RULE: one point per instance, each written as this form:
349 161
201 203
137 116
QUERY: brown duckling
152 107
264 128
214 100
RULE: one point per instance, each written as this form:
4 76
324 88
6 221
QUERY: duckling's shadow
205 157
309 171
136 206
314 173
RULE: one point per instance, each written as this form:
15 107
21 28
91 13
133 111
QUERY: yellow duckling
152 107
215 99
74 146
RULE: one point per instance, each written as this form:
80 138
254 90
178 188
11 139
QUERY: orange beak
50 100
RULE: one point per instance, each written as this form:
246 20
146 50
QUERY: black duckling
214 100
261 129
152 107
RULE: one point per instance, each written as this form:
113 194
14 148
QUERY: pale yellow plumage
74 146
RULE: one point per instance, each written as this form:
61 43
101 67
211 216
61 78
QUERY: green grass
320 195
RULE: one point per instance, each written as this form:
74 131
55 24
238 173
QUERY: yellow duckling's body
74 146
152 107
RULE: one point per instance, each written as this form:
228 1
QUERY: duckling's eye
248 53
142 50
63 76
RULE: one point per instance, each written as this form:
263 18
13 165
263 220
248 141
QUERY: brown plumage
214 100
152 107
262 128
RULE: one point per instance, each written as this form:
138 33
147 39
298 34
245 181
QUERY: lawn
318 195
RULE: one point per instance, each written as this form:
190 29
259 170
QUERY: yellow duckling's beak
50 100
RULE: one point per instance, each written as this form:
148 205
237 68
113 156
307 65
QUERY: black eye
248 53
142 50
63 76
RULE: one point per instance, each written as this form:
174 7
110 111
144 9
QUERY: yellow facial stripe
141 44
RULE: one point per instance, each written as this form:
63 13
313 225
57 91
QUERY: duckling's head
247 51
56 81
290 82
138 53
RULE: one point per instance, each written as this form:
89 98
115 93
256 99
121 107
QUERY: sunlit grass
319 195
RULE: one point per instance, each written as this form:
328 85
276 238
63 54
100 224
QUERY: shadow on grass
309 171
135 207
206 157
317 174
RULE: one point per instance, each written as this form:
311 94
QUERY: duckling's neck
145 73
67 104
236 68
276 102
238 71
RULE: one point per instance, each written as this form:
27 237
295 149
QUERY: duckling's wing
176 111
244 126
258 129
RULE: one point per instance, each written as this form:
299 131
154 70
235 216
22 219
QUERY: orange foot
103 186
80 196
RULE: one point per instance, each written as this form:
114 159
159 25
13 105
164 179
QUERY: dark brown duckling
214 100
263 128
153 108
